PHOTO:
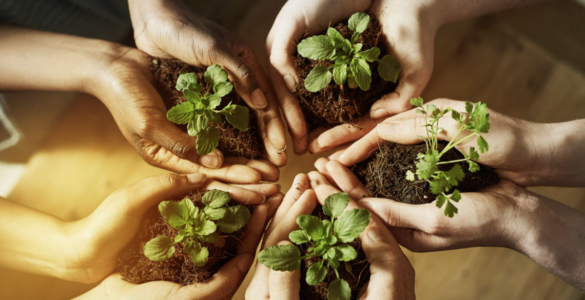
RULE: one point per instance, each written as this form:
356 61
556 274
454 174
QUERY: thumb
284 285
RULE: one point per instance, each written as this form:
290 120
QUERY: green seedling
200 108
476 121
196 226
326 239
350 61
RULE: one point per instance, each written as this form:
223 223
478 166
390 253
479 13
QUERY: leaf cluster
196 226
350 61
474 122
326 239
200 108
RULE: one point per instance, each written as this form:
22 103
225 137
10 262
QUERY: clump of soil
384 174
232 142
137 268
357 278
337 104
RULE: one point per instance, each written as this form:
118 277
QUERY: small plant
427 166
200 108
196 226
350 63
327 239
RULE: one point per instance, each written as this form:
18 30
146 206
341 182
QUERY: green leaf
468 107
445 180
207 140
339 290
316 273
351 81
192 210
236 218
193 97
354 37
362 73
317 79
441 199
331 240
456 196
389 68
450 210
179 238
239 117
340 74
343 60
357 47
347 47
206 228
176 214
184 80
358 22
333 263
371 55
409 176
213 116
182 113
335 204
215 213
312 225
214 75
214 101
318 47
348 253
351 223
159 248
321 249
456 116
327 227
348 267
189 247
210 238
427 166
201 123
473 154
473 167
216 198
482 144
223 88
199 255
418 102
299 237
281 258
335 37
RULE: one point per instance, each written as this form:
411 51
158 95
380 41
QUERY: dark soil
359 276
232 142
384 174
337 104
136 268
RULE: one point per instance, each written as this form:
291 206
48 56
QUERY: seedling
350 63
327 239
427 166
196 226
200 108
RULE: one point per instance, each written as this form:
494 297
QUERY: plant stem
451 161
336 273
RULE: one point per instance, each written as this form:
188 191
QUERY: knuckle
182 150
169 180
246 73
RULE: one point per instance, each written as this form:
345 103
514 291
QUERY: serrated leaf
215 213
316 273
201 123
347 252
473 167
441 199
361 72
318 79
160 248
339 290
207 140
351 82
214 101
299 237
468 107
389 68
482 144
456 116
184 80
371 55
409 176
206 228
456 196
215 74
199 255
359 22
450 210
216 198
350 224
223 88
239 117
182 113
281 257
236 218
213 116
418 102
473 154
335 204
340 74
335 37
193 97
312 226
318 47
427 166
176 214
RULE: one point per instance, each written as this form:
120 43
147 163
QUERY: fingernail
258 99
378 113
374 234
196 178
290 82
245 263
263 199
211 161
386 129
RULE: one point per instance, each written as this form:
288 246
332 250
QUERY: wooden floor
528 63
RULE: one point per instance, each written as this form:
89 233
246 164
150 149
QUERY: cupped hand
409 30
169 29
96 241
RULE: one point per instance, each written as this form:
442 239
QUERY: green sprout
477 121
200 108
196 226
326 239
350 63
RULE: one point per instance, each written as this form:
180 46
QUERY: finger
266 189
314 146
321 166
346 180
337 154
241 195
346 133
317 179
402 215
267 171
254 230
299 186
273 204
284 285
271 128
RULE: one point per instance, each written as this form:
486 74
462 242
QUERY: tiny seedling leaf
335 204
199 255
182 113
482 144
214 75
409 176
194 127
312 225
160 248
350 224
361 72
335 37
339 290
371 55
317 47
216 198
223 88
176 214
418 102
316 273
358 22
317 79
347 252
214 101
236 218
215 213
206 228
340 74
299 237
207 140
281 257
184 80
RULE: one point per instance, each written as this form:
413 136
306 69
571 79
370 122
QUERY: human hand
169 29
409 29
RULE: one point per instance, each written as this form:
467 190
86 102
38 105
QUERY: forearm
32 241
447 11
553 236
